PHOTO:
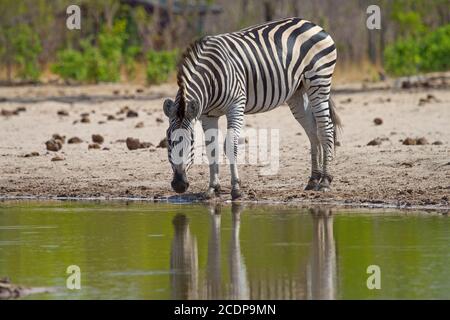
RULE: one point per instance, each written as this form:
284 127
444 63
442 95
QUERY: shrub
160 64
402 58
94 63
427 53
70 65
26 47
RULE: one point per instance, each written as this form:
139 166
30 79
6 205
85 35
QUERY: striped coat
252 71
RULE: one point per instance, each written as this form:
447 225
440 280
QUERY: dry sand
388 174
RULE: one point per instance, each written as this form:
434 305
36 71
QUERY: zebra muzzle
179 183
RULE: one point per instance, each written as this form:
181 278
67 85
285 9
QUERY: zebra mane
190 51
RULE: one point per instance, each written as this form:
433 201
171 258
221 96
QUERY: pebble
163 143
378 121
97 138
94 146
53 145
132 114
132 143
375 142
74 140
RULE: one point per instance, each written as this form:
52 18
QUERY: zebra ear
192 109
168 108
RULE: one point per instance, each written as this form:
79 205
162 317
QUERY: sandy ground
391 173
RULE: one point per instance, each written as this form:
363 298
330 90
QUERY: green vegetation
160 65
116 37
22 51
100 62
426 53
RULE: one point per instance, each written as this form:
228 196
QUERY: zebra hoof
236 194
313 184
325 183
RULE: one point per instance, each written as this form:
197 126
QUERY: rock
409 142
12 291
133 144
159 120
116 92
105 149
110 117
145 145
21 109
139 90
62 113
432 98
57 158
74 140
59 137
337 144
85 120
422 101
375 142
53 145
421 141
132 114
139 125
348 100
97 138
437 143
378 121
101 122
7 113
94 146
32 154
84 114
163 143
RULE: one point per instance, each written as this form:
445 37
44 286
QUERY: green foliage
25 47
95 63
427 53
70 65
160 64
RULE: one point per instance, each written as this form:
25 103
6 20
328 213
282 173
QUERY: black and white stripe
256 70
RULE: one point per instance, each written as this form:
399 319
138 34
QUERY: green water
183 251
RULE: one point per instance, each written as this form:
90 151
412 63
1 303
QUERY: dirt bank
390 173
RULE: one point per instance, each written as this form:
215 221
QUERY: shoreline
445 209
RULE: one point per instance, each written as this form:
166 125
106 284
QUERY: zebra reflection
183 261
321 271
238 286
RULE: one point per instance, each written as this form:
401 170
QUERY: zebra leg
325 131
210 127
235 119
299 105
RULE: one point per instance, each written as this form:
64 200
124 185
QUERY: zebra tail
336 121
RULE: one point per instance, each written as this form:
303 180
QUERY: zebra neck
195 92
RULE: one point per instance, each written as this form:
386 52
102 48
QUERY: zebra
251 71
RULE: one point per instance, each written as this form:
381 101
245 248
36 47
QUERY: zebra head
180 140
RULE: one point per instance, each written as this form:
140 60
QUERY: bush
70 65
427 53
26 47
100 63
160 64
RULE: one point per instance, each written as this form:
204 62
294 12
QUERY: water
173 251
